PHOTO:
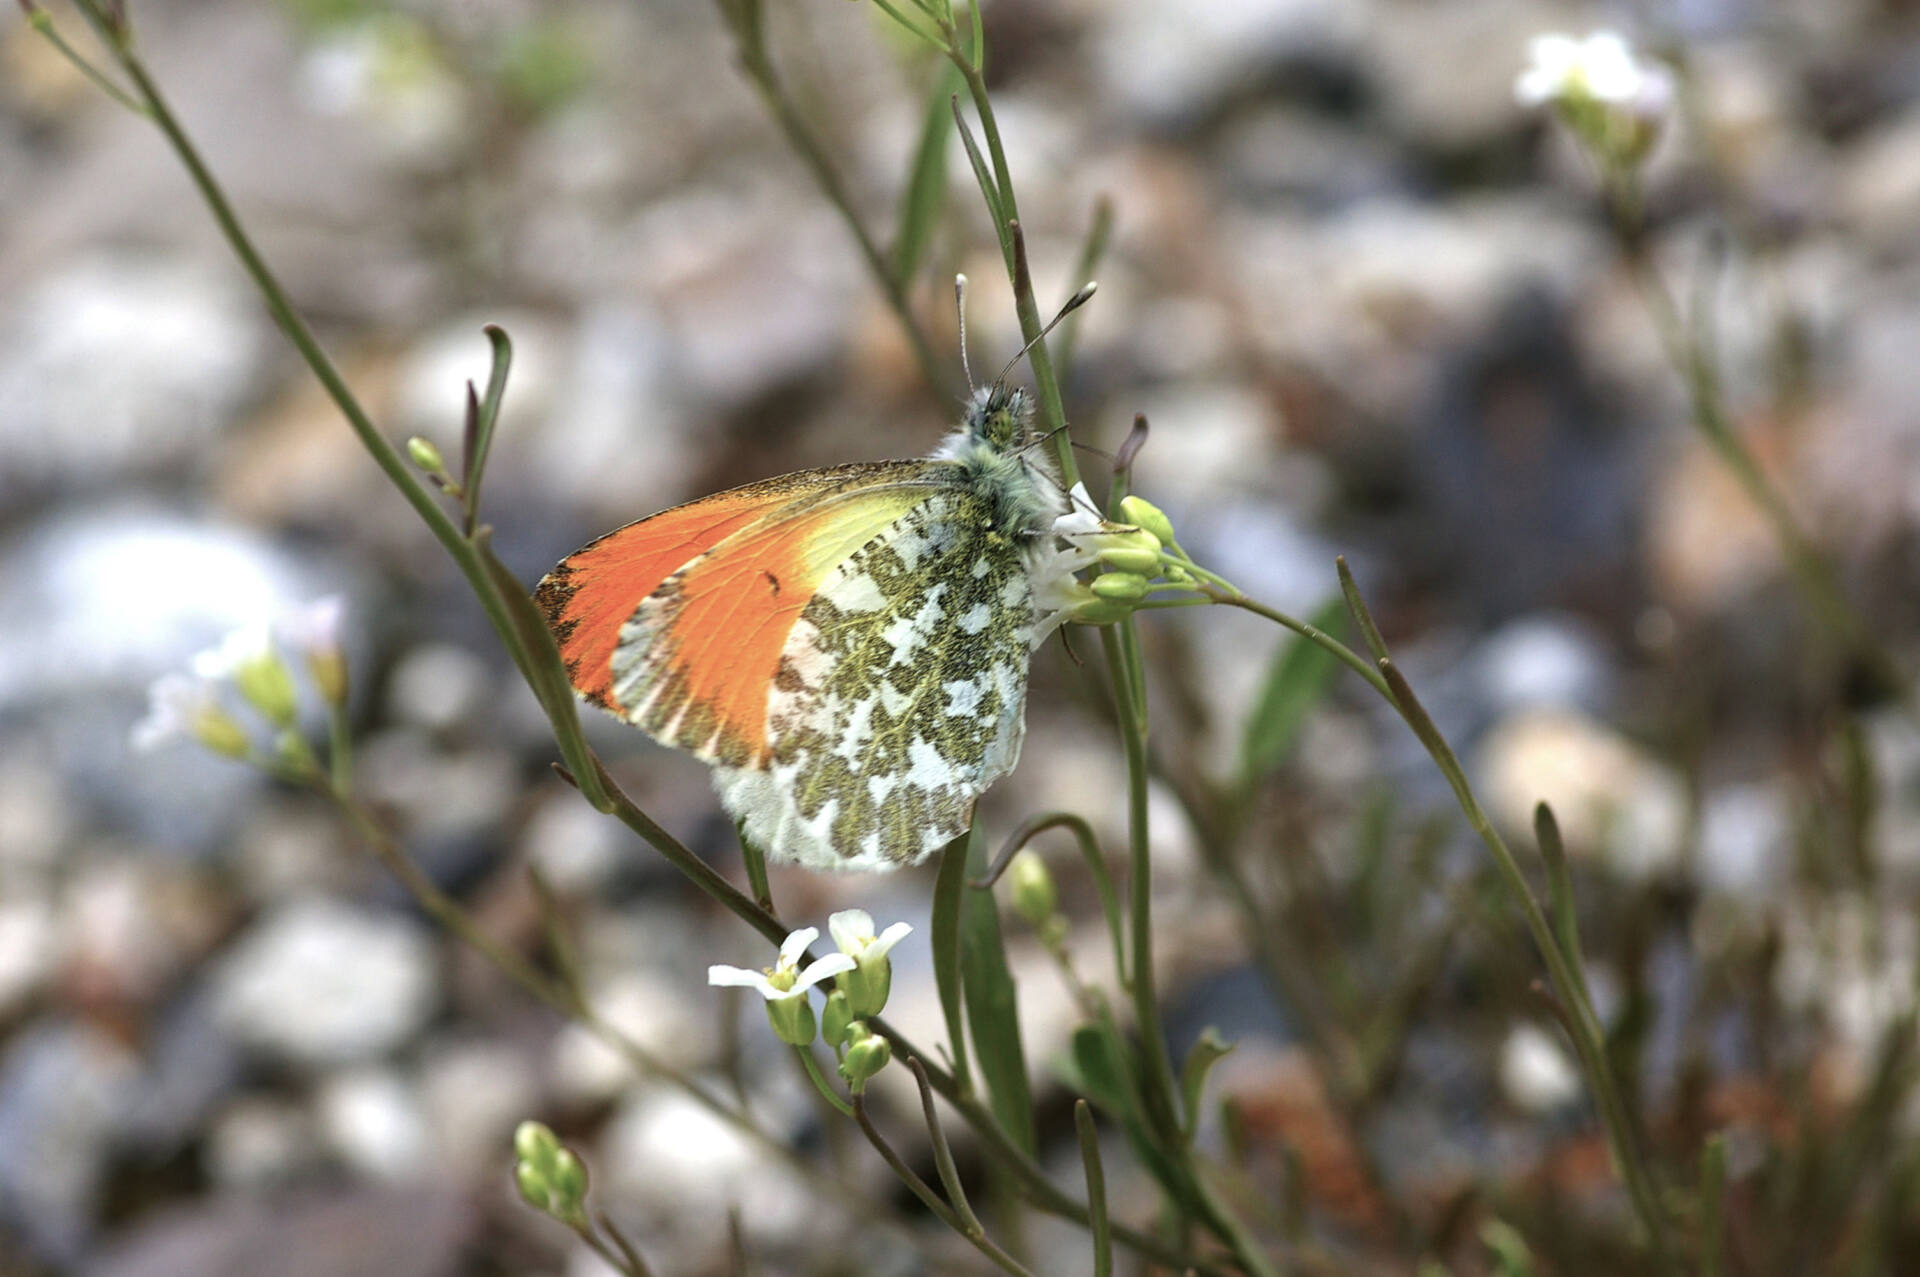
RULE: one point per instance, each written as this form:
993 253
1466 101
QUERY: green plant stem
1689 351
1096 1187
1053 412
974 1234
820 1083
760 72
1568 981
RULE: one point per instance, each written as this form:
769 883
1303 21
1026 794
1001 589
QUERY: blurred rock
1446 71
116 366
190 1070
475 1092
437 686
373 1121
26 950
1178 60
37 816
260 1143
63 1090
649 1011
1544 661
439 794
419 1232
1746 840
576 848
1535 1071
1613 801
322 983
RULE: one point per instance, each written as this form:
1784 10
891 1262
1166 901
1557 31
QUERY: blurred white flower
784 979
314 632
1601 68
182 707
234 653
313 628
246 659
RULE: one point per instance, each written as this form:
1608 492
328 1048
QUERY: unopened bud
1137 559
1122 587
867 1054
426 455
220 732
836 1018
1147 516
1034 896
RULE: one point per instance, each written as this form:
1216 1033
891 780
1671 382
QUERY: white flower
1601 68
239 650
1082 515
852 931
314 628
185 708
174 703
784 979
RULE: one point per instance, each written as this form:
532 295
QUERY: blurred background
1370 306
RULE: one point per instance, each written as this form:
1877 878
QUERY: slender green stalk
820 1083
42 23
974 1234
1096 1187
1568 981
1689 348
760 72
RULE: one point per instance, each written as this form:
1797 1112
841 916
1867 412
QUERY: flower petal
740 978
852 930
831 965
887 939
796 944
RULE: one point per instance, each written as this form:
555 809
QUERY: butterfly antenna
1074 303
960 305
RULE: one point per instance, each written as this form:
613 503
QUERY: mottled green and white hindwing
901 695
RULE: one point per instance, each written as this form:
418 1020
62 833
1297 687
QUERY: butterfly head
999 416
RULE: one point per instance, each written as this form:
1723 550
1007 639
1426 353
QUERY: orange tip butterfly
848 647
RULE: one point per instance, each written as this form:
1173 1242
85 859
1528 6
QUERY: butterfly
848 647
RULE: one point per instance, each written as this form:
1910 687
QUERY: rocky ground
1371 307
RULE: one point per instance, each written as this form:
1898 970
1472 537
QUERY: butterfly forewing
696 660
899 697
593 592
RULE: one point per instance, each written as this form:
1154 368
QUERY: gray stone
322 983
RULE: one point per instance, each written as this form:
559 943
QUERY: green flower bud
792 1019
1145 515
535 1142
1121 587
1134 559
1034 897
532 1183
867 1054
568 1182
426 455
837 1017
1099 611
294 751
220 732
267 684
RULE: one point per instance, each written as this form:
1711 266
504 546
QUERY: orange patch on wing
594 591
736 605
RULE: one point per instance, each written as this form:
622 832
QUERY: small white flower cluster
1082 537
1602 68
190 706
864 976
1612 99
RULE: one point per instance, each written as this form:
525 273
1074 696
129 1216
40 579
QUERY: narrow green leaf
1208 1050
986 987
1300 676
927 187
1092 1071
944 929
483 418
989 191
1553 850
